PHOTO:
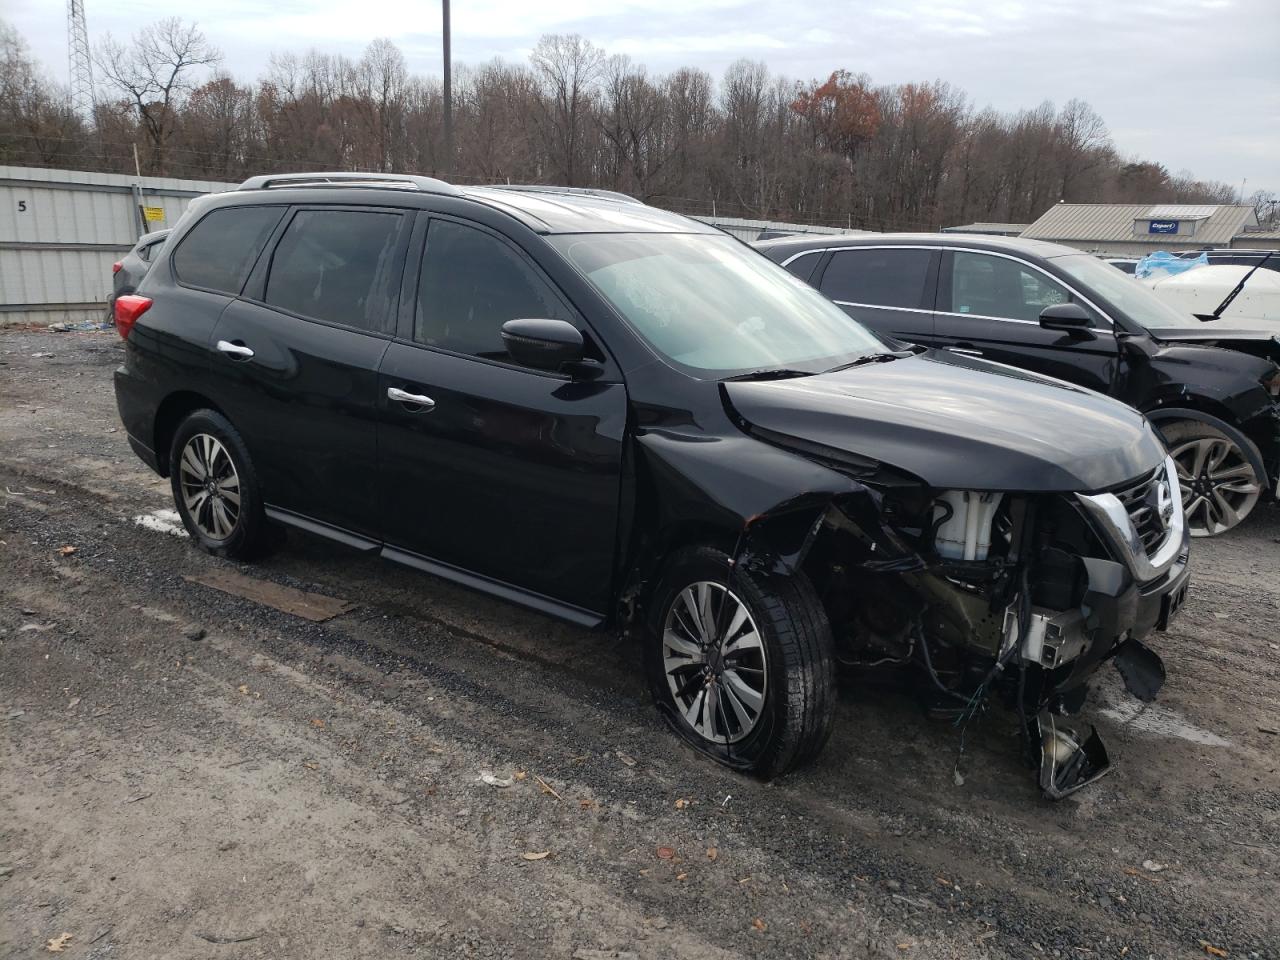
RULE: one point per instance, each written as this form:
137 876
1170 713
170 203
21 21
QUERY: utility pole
448 95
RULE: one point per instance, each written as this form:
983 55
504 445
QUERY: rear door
297 356
889 289
508 476
989 306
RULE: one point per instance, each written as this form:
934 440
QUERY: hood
959 423
1260 342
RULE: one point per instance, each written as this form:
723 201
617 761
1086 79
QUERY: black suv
1213 394
620 416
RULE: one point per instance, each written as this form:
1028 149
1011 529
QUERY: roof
1113 222
1011 229
552 211
1036 248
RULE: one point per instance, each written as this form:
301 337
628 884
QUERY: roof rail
388 181
575 191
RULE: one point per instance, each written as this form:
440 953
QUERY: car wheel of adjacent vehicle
1220 486
741 663
215 488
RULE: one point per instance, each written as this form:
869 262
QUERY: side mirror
542 344
1068 318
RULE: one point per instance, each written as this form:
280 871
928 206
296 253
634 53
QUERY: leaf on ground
905 945
665 853
626 761
712 853
317 722
759 925
67 550
1213 951
681 803
495 781
243 688
519 775
586 803
537 856
58 943
682 876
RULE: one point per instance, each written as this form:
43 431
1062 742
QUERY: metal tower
79 66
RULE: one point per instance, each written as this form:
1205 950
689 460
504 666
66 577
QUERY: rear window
335 265
220 250
878 278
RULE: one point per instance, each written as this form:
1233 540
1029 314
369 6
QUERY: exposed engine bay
1018 597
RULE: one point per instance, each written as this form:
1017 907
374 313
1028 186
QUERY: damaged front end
1019 596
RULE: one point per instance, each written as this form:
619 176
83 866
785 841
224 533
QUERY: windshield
1125 293
714 307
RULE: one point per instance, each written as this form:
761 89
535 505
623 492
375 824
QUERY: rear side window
220 250
471 284
335 265
879 278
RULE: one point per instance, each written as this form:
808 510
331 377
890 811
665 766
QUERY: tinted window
883 278
335 265
471 284
999 287
802 266
220 250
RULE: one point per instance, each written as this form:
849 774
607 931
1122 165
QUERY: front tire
1220 486
741 662
215 488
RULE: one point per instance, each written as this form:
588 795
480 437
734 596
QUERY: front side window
999 287
335 265
470 285
219 251
713 306
878 278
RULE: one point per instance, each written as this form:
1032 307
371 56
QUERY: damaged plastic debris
1067 761
1141 669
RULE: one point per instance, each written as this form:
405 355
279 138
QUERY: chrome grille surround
1125 519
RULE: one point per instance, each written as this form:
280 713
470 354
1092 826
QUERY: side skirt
525 598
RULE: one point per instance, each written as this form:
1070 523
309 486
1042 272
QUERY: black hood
959 423
1259 343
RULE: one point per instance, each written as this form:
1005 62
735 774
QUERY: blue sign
1162 226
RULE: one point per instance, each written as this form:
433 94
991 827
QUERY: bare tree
155 71
568 67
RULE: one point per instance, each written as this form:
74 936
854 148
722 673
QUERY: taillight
128 309
115 267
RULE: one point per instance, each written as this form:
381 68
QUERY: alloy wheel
1219 485
210 486
715 663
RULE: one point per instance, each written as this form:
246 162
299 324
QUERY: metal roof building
990 229
1136 229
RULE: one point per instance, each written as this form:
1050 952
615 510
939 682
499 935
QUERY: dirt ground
188 774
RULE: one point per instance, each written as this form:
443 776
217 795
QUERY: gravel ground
187 774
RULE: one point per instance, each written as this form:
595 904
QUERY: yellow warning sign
153 214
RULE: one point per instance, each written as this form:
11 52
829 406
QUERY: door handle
415 399
237 350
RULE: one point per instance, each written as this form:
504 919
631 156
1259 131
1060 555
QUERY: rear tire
1220 486
215 488
741 666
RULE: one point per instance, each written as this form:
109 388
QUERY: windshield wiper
872 358
770 373
1210 317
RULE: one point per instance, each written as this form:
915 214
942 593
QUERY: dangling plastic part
1067 761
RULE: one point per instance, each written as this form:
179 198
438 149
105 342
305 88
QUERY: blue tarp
1167 263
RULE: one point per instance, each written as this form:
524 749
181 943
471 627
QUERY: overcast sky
1192 84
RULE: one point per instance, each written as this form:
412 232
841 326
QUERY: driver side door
989 306
500 476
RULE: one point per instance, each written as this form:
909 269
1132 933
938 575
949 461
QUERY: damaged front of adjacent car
1003 533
